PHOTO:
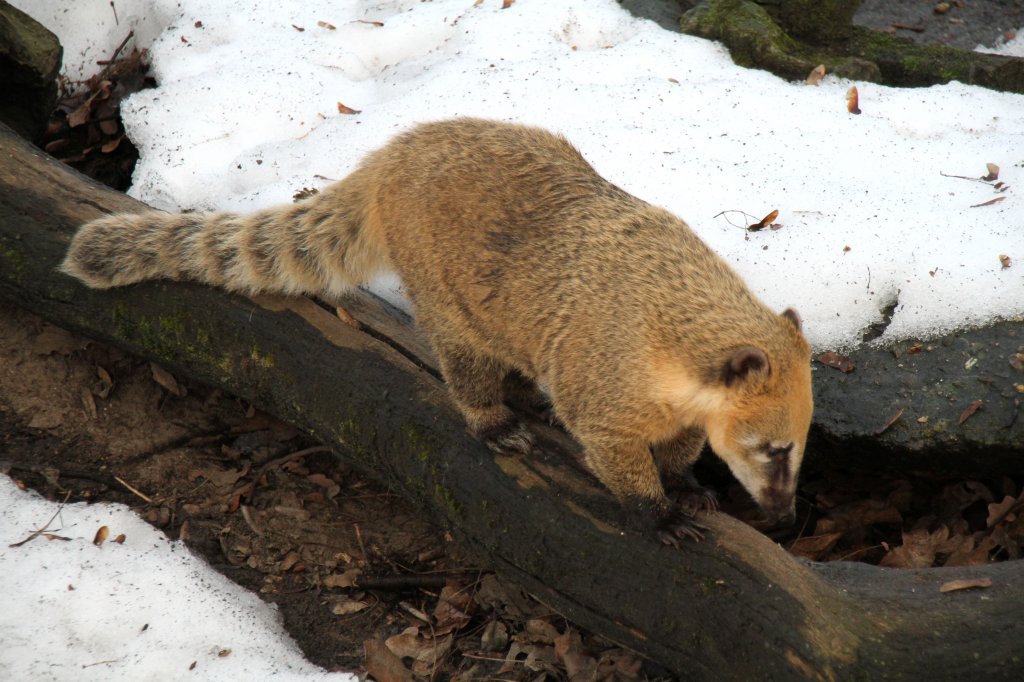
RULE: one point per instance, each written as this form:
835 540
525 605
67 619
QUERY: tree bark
735 606
792 37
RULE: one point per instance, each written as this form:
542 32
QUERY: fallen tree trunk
733 607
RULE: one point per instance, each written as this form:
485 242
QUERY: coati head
760 429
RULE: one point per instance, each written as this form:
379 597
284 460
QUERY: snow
246 113
146 609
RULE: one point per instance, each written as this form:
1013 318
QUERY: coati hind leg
476 382
627 469
675 459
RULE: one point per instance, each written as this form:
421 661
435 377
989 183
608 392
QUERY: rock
30 57
940 379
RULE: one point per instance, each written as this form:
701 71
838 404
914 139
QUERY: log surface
735 606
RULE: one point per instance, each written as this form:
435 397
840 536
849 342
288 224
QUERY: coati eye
778 452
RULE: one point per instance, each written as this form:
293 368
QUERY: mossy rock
791 37
30 58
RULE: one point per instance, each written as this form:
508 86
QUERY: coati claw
511 437
677 527
696 499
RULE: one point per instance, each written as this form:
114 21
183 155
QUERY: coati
519 257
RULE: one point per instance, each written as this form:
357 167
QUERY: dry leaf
923 419
918 549
853 100
88 402
164 378
300 29
505 4
347 579
765 221
856 515
112 145
324 24
1005 260
347 607
993 172
371 23
120 539
891 421
569 650
453 605
816 75
106 383
101 536
988 203
813 547
836 361
342 109
965 583
383 665
1000 511
971 409
424 650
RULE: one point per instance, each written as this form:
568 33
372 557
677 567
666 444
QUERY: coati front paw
677 525
671 523
691 495
508 437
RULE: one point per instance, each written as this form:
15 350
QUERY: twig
117 50
247 488
362 547
734 210
414 612
112 660
964 177
126 485
46 526
398 583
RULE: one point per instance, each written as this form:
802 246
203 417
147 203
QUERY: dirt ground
347 563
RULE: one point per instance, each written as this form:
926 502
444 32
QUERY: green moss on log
782 40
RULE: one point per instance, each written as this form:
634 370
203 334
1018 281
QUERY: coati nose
785 520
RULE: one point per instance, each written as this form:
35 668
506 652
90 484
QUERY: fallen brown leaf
969 410
426 652
965 583
1005 261
382 664
836 361
101 536
817 73
324 24
505 4
167 380
853 100
1000 511
342 109
813 547
569 650
856 515
347 607
993 172
891 421
988 203
764 222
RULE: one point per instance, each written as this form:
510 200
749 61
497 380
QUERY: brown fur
518 255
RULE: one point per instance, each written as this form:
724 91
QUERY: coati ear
793 317
746 362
